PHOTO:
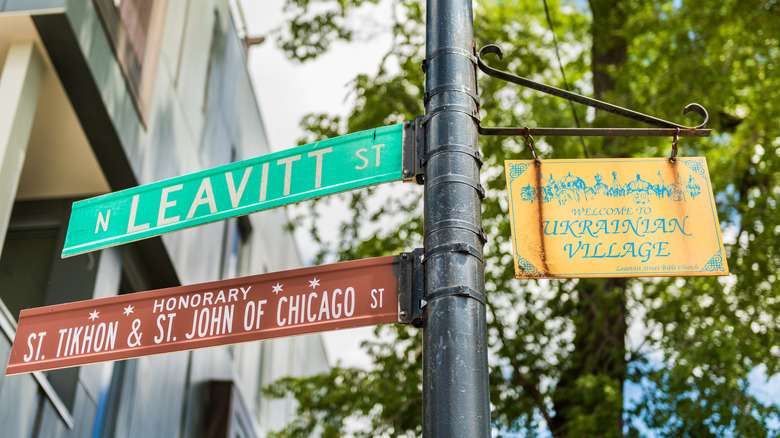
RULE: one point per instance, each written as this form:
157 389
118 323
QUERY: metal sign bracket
663 128
410 288
413 147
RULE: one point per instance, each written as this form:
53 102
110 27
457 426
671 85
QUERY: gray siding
18 400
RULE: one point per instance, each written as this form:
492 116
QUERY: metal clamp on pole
459 179
471 110
410 288
448 51
457 223
451 87
460 248
477 155
457 291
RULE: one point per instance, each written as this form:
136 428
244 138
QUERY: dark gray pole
456 400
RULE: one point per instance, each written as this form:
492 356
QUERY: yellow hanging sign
642 217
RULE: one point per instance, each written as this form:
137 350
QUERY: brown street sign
638 217
307 300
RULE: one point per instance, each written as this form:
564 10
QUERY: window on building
136 15
117 379
236 236
234 251
25 264
32 274
117 382
135 30
234 256
226 414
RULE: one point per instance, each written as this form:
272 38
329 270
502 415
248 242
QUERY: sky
286 91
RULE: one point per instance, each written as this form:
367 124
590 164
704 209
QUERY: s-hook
529 143
673 157
663 128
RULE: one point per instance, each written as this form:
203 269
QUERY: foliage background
636 357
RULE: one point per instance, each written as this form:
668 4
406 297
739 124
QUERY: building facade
102 95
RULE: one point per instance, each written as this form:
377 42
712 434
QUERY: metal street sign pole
455 367
340 295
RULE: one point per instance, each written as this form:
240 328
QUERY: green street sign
306 172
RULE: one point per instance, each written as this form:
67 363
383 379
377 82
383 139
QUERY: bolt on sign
306 172
307 300
614 218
